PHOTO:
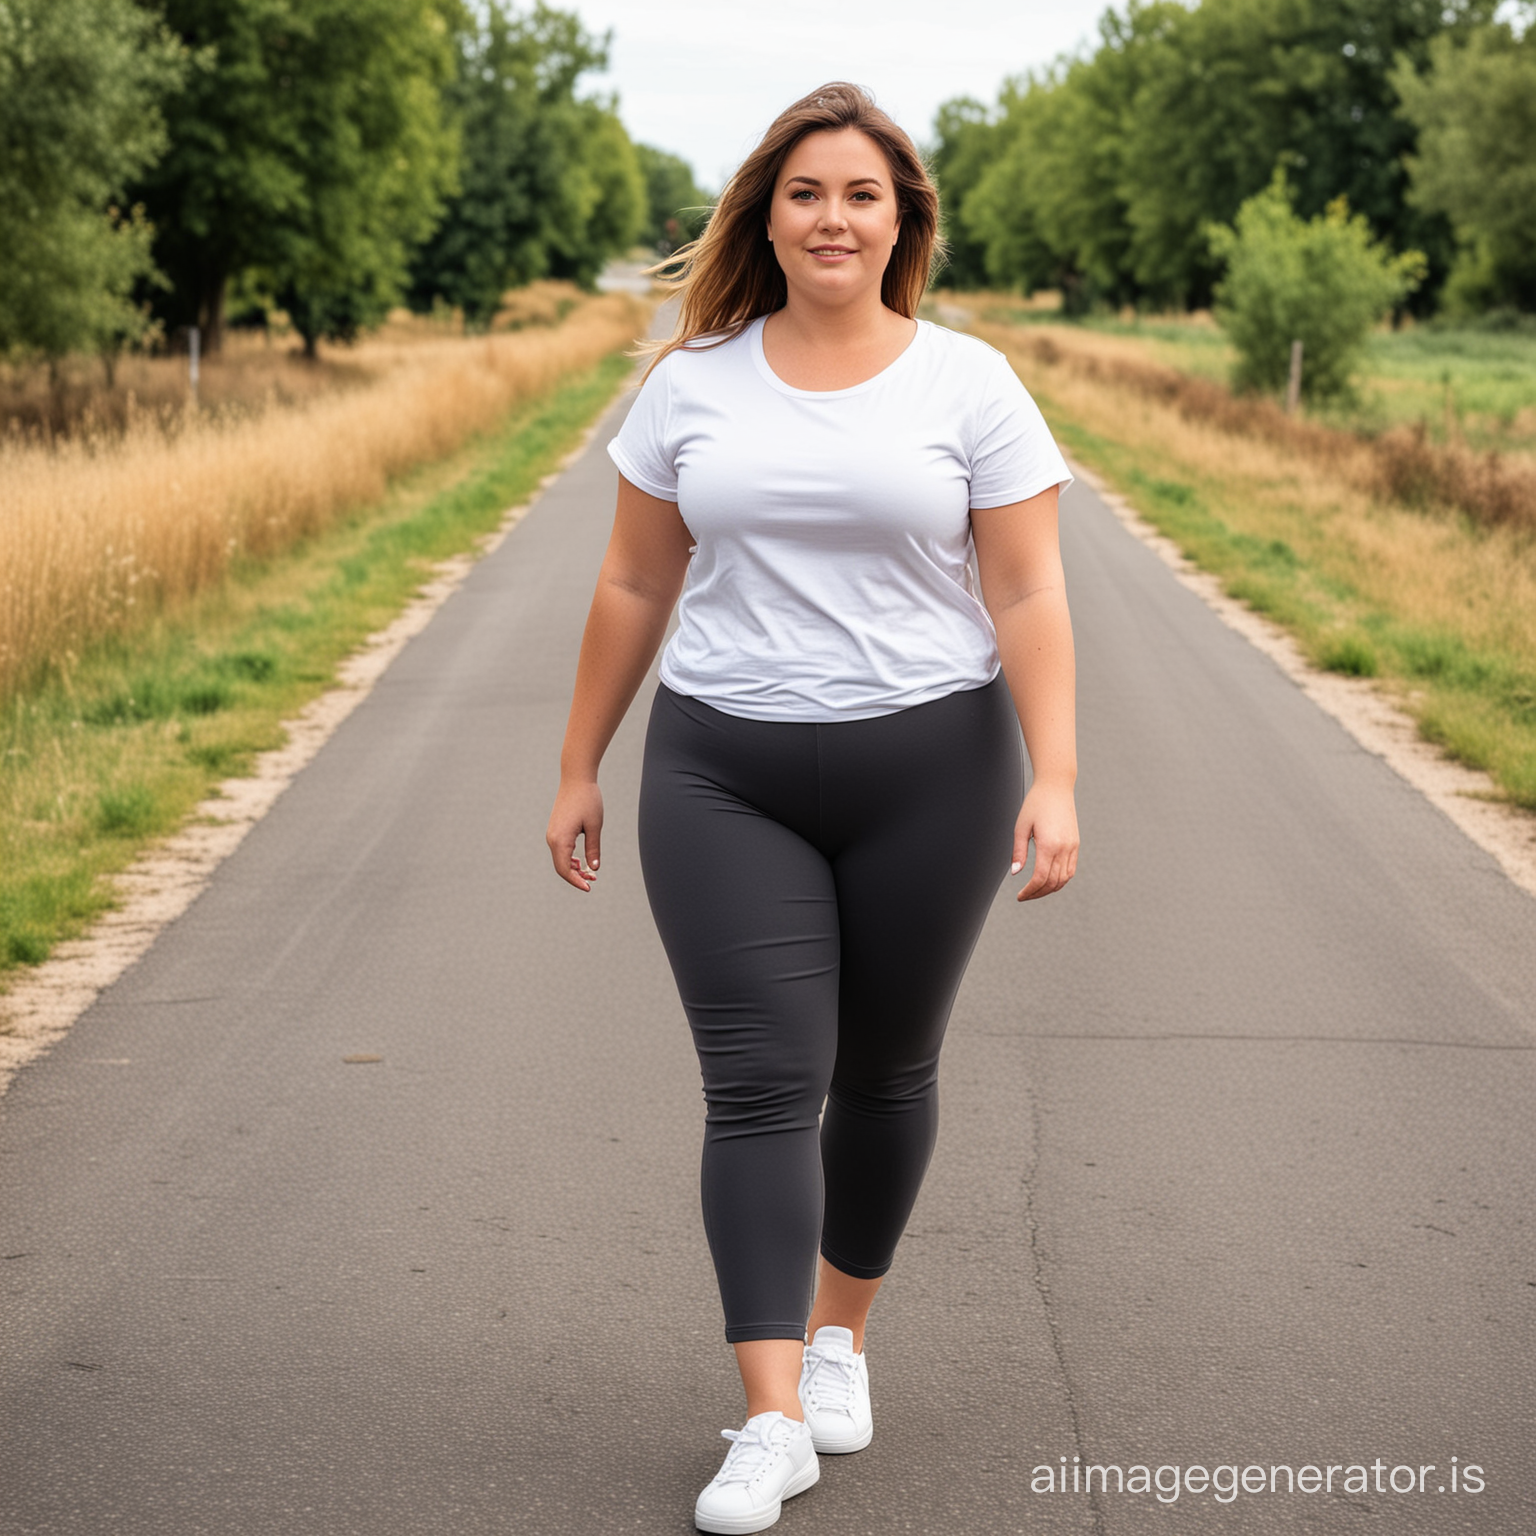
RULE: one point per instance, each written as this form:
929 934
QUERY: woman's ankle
855 1326
770 1374
842 1301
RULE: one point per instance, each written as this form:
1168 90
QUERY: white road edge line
1467 795
158 887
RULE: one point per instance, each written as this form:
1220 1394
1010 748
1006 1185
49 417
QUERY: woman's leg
842 1301
925 802
747 912
770 1374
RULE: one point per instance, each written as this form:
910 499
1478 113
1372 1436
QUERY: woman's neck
824 349
805 324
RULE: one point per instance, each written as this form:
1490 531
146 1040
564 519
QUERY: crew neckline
760 358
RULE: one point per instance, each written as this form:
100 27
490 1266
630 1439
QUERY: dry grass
1301 522
1483 587
1401 464
256 371
100 530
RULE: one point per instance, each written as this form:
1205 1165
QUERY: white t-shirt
831 577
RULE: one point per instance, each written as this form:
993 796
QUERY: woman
833 778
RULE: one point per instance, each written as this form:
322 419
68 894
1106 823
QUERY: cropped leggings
819 889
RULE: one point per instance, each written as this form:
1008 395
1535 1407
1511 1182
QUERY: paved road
1236 1164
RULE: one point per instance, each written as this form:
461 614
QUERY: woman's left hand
1048 818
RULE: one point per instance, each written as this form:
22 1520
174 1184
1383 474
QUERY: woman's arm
1019 558
640 579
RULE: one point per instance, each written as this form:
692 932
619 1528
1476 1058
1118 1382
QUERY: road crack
1042 1287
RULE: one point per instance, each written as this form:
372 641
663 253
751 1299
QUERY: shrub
1324 282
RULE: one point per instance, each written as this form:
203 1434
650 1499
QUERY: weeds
99 534
1293 517
97 760
1401 463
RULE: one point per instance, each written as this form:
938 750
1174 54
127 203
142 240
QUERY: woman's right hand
578 812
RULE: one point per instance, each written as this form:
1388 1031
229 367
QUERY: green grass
1477 704
97 764
1475 385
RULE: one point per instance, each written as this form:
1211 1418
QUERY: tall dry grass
99 531
1313 487
255 371
1401 464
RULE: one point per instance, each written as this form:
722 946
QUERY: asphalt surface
1235 1167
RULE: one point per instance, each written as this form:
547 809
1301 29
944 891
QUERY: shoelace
831 1378
753 1452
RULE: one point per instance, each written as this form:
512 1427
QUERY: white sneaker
834 1391
772 1460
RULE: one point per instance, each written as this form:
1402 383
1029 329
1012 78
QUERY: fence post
1293 384
193 340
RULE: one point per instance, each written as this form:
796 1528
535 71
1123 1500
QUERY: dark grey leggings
819 890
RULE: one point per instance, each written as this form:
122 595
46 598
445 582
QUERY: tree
1000 214
1475 110
1324 282
80 88
550 184
604 194
1105 169
1236 85
965 135
675 209
1053 204
309 142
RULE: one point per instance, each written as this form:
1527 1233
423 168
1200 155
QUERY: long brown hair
729 275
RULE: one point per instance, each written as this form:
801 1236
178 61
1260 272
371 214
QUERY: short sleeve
644 450
1014 456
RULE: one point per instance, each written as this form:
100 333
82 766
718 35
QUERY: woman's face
833 219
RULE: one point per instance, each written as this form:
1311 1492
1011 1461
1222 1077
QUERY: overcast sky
703 78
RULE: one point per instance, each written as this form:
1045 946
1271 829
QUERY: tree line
170 163
1108 175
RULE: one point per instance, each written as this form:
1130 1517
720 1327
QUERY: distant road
1235 1167
624 277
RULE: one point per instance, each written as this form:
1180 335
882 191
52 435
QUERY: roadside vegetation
102 755
173 169
1101 175
295 299
1450 383
1299 172
100 533
258 368
1404 555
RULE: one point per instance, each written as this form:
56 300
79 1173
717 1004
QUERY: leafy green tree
1000 215
965 135
1234 86
310 142
1052 207
1101 173
550 184
1475 109
80 88
675 209
604 195
1323 281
